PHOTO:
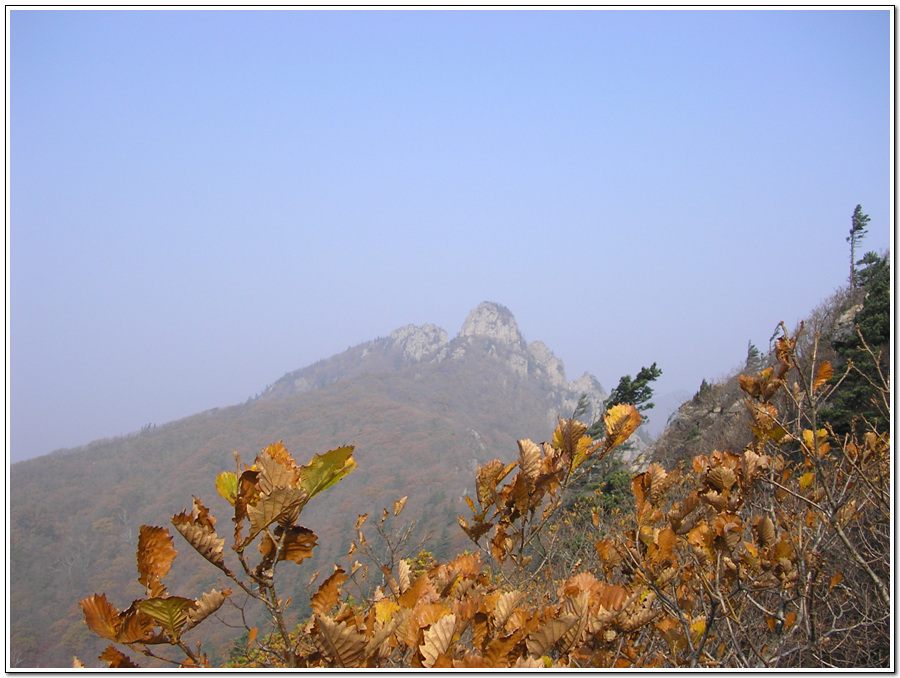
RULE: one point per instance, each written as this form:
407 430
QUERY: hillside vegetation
759 536
775 556
421 426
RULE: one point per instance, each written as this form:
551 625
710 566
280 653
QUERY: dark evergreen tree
607 485
635 391
754 358
857 231
856 398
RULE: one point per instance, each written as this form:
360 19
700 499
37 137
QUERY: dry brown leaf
529 459
100 616
437 640
506 603
155 554
545 637
342 643
208 604
297 544
198 529
116 659
326 597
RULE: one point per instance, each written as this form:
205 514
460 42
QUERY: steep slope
715 417
423 412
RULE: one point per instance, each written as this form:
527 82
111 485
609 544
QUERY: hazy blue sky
202 201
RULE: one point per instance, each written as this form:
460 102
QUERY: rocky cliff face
418 342
494 321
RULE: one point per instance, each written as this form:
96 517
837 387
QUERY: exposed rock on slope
490 330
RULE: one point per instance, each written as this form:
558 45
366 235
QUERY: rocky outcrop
495 322
418 342
547 364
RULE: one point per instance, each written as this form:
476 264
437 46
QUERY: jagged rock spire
492 320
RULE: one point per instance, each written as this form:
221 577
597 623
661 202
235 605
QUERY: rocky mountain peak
494 321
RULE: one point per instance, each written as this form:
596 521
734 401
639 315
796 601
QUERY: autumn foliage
776 555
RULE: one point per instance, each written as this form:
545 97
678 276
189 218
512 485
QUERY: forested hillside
421 426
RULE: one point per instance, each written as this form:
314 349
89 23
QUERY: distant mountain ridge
489 327
423 410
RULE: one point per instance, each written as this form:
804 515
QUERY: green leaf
170 613
226 484
324 470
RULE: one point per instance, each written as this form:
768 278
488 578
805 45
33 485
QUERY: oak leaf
297 543
273 473
324 470
545 637
198 529
155 554
437 640
170 613
529 459
399 504
100 615
116 659
621 421
823 375
329 592
506 603
345 645
208 604
281 505
403 578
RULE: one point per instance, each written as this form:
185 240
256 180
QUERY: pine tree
855 399
857 231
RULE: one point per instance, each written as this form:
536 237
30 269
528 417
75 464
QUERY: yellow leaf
823 375
789 620
399 504
697 629
806 480
621 421
384 610
835 580
251 635
751 549
816 440
324 470
170 613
